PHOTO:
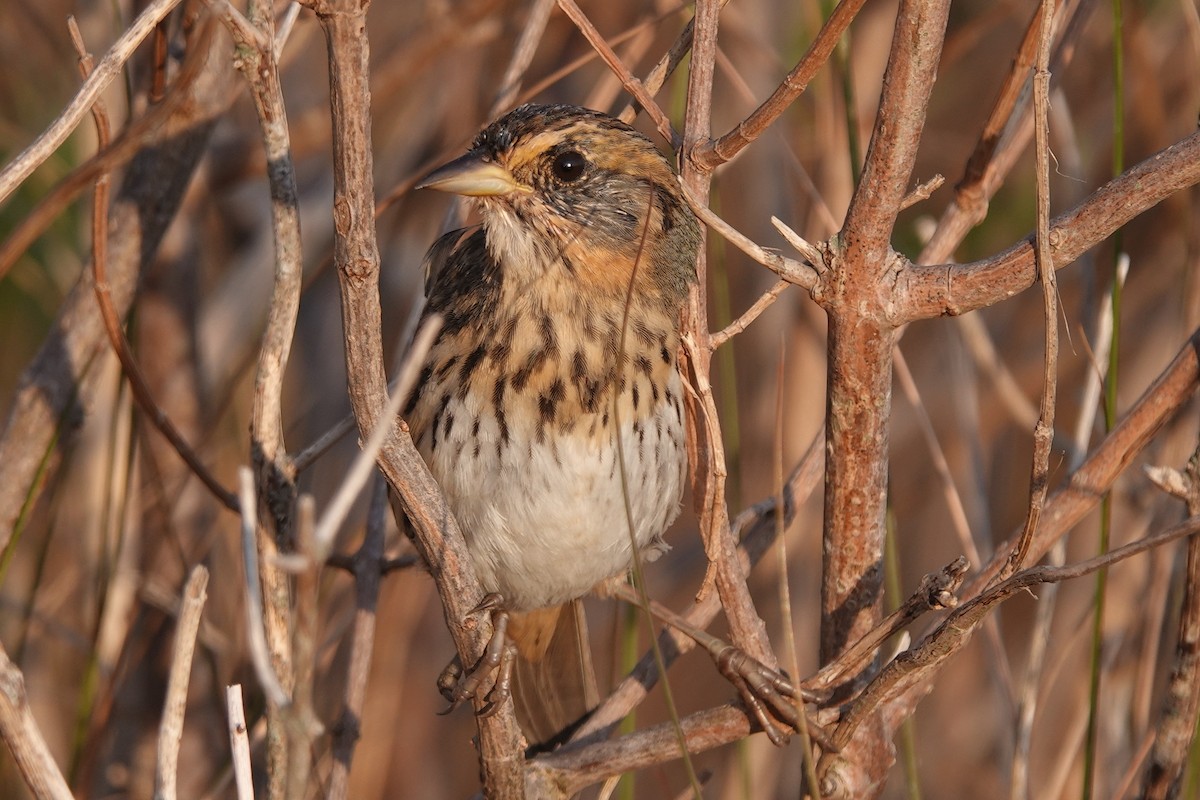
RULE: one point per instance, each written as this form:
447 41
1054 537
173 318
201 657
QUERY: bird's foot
768 694
490 680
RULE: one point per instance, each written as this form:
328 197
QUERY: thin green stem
1110 406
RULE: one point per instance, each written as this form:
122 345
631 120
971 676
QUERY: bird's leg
496 664
767 693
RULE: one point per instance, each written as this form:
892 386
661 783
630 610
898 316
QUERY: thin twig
109 68
912 666
170 729
1182 702
239 742
365 566
936 591
764 301
259 655
1004 135
658 74
922 192
303 725
364 464
24 738
628 80
1043 432
522 55
712 154
790 270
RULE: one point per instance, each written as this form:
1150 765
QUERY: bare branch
170 729
712 154
628 80
936 290
1043 432
356 254
239 742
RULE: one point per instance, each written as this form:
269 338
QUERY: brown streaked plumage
528 386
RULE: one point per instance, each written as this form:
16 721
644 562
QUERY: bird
550 407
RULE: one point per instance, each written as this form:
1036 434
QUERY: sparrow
550 407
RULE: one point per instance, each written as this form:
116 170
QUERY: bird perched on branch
550 408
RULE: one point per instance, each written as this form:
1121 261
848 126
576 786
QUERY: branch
356 255
628 80
918 665
923 292
170 729
907 84
20 732
1083 490
1043 431
710 155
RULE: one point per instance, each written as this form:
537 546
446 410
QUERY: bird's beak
470 175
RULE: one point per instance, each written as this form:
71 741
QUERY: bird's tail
554 682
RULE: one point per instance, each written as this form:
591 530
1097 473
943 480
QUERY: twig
1003 137
941 467
936 591
628 80
136 134
20 732
522 55
303 725
788 269
109 68
364 464
1182 701
658 74
764 301
356 254
573 767
915 665
712 154
259 655
306 457
922 192
239 742
365 566
170 729
706 450
1043 432
274 471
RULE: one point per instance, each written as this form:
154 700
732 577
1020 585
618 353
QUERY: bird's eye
569 166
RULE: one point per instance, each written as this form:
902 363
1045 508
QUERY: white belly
546 521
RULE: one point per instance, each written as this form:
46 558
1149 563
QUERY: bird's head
566 188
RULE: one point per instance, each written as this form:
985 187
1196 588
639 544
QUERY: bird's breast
549 443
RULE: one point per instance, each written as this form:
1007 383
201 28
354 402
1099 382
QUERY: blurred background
89 587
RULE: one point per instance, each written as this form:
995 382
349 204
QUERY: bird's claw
769 696
495 665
